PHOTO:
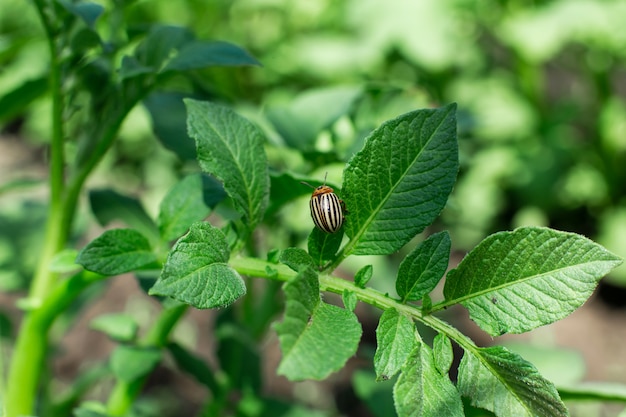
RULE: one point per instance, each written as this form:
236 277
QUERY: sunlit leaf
400 181
516 281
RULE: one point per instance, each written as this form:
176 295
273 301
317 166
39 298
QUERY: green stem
55 238
32 342
258 268
125 393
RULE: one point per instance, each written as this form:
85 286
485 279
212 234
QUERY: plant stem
54 238
32 343
258 268
124 393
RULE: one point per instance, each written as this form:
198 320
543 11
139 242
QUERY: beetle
326 208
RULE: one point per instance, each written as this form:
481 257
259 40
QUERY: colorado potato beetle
326 208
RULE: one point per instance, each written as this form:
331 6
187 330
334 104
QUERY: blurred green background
541 88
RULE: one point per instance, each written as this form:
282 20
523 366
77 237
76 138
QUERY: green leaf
421 391
87 12
562 366
231 148
202 54
323 246
129 363
400 181
443 353
595 391
117 326
349 299
396 338
64 262
516 281
427 304
157 47
19 99
363 276
109 205
424 267
238 354
296 259
117 251
285 187
316 338
131 67
85 39
196 272
189 201
504 383
304 118
194 366
168 114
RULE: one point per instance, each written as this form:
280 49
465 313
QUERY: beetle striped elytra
326 208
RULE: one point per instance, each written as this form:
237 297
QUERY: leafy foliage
224 219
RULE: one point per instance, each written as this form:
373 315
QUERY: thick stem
32 343
55 238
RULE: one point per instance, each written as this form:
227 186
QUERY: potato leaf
513 282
